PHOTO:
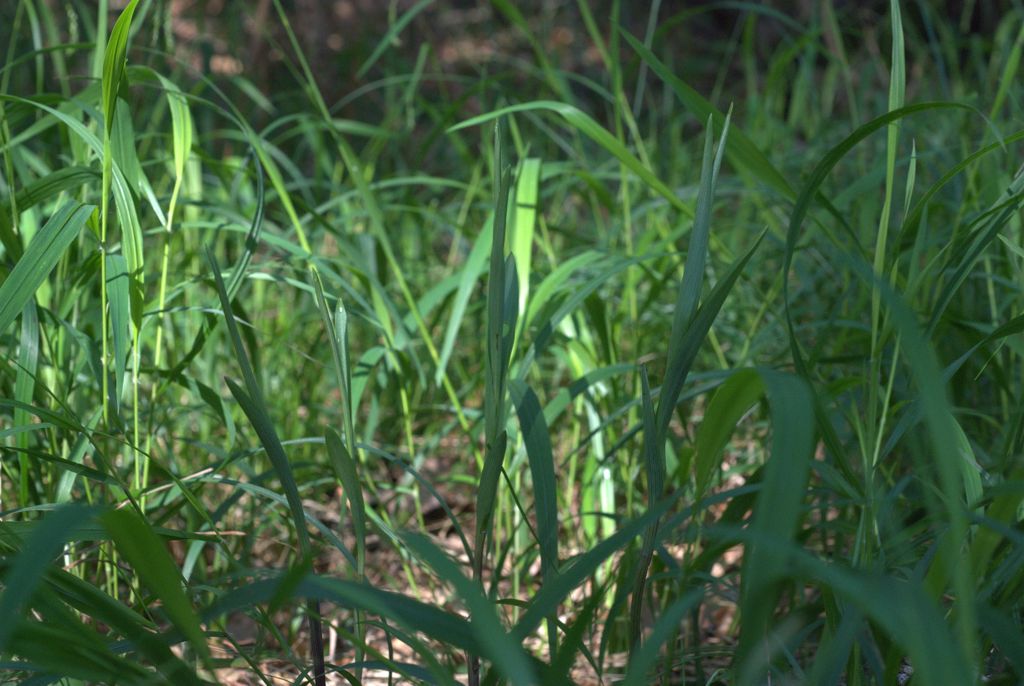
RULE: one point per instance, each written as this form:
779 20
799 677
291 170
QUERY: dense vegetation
682 349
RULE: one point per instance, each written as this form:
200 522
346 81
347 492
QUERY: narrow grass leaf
537 439
572 574
779 505
391 36
586 125
120 321
697 250
468 277
496 363
683 349
654 468
506 653
742 152
24 388
345 468
668 623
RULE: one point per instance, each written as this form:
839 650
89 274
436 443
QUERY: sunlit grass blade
471 271
520 239
586 125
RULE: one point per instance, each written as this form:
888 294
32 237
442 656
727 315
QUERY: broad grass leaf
39 259
144 550
27 569
727 406
115 59
524 220
778 509
40 190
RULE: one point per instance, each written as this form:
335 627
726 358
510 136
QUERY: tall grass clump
527 343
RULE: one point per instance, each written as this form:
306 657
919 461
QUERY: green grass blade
497 356
697 250
144 550
120 322
683 350
727 406
654 468
743 153
498 646
345 468
391 37
27 569
114 61
471 271
667 624
521 235
574 573
39 259
777 512
586 125
537 439
24 388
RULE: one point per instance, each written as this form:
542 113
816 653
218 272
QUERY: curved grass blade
640 663
50 186
586 125
144 550
391 36
727 406
255 409
27 570
39 259
503 650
